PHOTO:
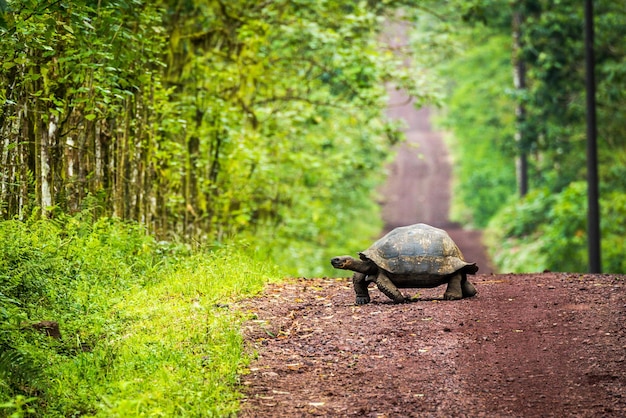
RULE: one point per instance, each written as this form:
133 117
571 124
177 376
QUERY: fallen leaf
280 392
293 366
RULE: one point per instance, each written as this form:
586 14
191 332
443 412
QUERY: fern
18 370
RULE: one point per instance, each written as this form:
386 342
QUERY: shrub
549 231
145 325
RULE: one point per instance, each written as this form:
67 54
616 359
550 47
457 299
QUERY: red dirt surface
540 345
528 345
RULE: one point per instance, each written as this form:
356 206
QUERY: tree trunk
6 172
47 139
519 81
70 173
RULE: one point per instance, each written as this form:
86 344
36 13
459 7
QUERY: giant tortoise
414 256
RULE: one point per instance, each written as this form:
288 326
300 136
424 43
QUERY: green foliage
484 179
547 231
19 407
146 327
548 228
202 120
205 118
513 236
613 230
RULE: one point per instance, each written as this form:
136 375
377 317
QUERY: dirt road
545 345
418 187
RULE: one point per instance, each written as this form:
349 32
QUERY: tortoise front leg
388 288
454 291
360 288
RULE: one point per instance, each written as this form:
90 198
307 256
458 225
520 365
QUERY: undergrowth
146 326
548 231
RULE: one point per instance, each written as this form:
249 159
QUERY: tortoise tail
470 268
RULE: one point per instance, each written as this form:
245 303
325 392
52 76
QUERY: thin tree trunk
116 168
30 160
82 163
47 139
70 173
24 158
519 81
6 174
98 158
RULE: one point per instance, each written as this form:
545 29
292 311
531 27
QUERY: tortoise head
342 262
345 262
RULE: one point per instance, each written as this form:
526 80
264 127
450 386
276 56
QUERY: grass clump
146 328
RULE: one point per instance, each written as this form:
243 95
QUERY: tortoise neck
363 266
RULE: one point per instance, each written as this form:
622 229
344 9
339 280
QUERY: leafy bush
145 325
512 231
549 231
613 231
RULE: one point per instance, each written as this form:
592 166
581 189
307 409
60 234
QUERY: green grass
147 328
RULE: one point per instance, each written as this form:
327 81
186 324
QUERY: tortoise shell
418 249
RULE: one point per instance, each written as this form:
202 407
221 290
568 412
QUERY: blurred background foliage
546 228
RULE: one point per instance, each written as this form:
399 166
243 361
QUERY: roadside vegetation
492 122
146 327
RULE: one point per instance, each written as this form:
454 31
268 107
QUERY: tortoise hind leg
468 288
454 290
360 288
388 288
